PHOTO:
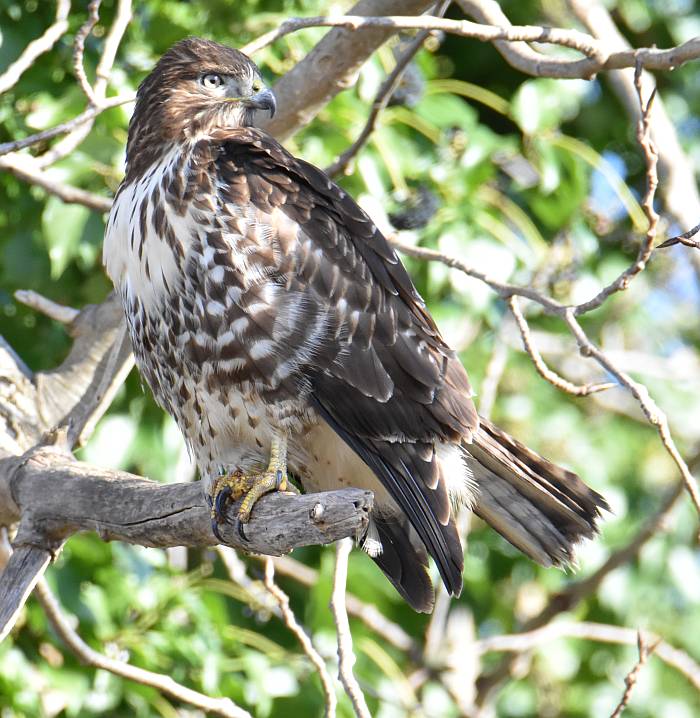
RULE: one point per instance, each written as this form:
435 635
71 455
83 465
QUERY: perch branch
346 655
307 646
120 506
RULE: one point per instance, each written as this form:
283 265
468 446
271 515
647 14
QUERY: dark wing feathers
392 386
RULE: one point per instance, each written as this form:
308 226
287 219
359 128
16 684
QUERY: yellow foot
251 487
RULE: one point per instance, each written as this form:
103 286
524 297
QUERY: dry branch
304 640
61 624
331 66
346 656
37 47
521 642
124 507
381 100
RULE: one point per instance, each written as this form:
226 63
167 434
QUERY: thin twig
104 67
37 47
653 413
346 656
370 615
570 597
542 369
307 646
645 650
79 50
381 100
89 114
165 684
646 248
585 44
494 370
59 312
686 239
25 169
602 632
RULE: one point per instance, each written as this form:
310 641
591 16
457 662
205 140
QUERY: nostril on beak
265 100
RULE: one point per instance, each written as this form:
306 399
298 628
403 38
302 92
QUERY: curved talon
238 526
220 504
215 530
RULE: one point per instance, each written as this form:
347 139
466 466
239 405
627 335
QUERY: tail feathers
404 562
542 509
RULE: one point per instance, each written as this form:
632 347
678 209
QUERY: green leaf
63 226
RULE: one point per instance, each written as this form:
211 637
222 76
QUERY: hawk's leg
251 486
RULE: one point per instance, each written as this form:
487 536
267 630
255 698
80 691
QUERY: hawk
275 323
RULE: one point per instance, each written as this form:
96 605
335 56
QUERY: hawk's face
196 87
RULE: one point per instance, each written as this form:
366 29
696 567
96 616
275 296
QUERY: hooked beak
263 100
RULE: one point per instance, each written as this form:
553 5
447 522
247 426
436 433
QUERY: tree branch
381 100
37 47
304 640
124 507
346 656
331 66
165 684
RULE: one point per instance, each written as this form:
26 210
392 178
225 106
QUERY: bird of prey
275 323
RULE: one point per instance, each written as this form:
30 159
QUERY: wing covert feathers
383 378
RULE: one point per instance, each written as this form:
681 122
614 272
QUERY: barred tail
542 509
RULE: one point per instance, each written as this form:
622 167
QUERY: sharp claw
238 525
221 499
215 530
279 478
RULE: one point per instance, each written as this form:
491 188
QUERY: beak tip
265 100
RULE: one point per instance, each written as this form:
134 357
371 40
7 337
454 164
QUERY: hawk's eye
211 81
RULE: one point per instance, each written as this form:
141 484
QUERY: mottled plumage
263 302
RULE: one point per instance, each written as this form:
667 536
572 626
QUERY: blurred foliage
534 180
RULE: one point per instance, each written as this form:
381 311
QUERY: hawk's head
197 86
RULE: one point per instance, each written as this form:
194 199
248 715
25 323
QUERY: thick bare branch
124 507
121 506
346 655
37 47
22 569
